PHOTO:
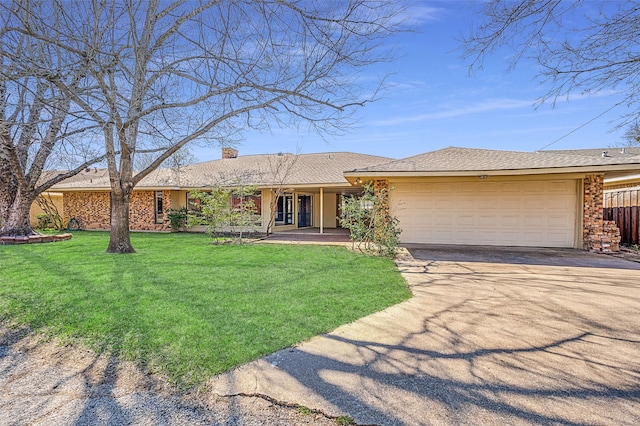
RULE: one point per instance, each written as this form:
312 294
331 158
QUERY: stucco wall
35 210
330 211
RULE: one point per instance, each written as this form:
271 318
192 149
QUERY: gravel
44 383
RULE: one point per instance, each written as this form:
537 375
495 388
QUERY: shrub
177 219
371 226
227 214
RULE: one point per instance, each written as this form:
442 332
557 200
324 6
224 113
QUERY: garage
535 213
470 196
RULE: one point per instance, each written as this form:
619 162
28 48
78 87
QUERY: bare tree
280 168
165 74
581 47
50 211
36 119
631 136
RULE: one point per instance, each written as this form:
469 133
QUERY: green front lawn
187 308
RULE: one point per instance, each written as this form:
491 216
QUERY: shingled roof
600 152
257 170
453 159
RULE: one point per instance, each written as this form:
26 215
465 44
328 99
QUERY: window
159 216
256 198
193 204
285 210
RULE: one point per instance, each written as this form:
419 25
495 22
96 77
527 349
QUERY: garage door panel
443 188
510 238
520 213
530 221
533 203
560 186
531 238
488 187
557 204
467 204
487 221
511 203
509 221
488 203
444 220
465 221
558 238
510 187
558 222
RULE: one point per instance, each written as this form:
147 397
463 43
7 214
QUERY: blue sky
432 102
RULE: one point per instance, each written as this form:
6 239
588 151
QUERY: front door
304 211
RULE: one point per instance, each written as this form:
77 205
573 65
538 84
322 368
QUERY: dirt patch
44 382
627 253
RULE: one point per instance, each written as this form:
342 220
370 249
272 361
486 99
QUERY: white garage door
510 213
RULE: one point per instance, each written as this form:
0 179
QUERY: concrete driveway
492 336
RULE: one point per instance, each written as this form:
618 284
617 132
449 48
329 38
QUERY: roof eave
354 175
107 188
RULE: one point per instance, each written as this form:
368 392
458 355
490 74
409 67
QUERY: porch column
599 235
321 210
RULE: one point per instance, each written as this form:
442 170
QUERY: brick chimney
229 153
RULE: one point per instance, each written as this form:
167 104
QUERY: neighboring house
312 186
487 197
615 182
621 194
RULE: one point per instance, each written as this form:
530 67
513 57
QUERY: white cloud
477 108
418 14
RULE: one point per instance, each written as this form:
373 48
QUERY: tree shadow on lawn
520 352
52 382
483 347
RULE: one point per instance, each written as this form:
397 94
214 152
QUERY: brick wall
142 211
382 185
598 235
93 210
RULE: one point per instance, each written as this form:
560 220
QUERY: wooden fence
623 207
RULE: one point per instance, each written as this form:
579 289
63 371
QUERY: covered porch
311 235
306 210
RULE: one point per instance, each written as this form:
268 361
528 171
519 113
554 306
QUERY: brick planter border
34 239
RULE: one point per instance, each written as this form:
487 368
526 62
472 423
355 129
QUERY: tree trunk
8 188
15 220
119 241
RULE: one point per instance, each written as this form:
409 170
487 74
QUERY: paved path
491 337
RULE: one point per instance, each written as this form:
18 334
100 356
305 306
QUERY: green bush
371 226
228 214
177 219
